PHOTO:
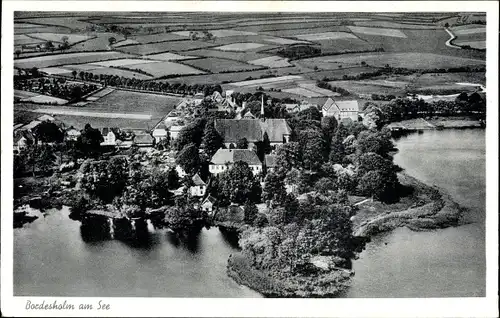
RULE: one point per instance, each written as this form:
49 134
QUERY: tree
89 142
17 52
288 156
238 185
173 179
263 147
192 133
329 126
189 159
313 148
242 143
274 188
337 151
74 73
250 212
45 159
372 184
48 132
112 40
211 141
324 185
181 218
378 142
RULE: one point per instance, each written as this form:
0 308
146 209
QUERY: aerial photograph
249 154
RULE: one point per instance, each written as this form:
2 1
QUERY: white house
208 204
341 109
180 172
199 188
159 134
109 137
22 139
224 159
72 134
175 131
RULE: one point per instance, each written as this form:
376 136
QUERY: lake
441 263
52 259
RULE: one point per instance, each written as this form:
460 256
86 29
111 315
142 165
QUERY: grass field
395 25
345 46
378 31
101 42
160 37
58 37
238 56
404 60
125 42
67 22
174 46
219 33
169 57
121 62
23 39
55 70
164 68
326 36
120 101
239 47
297 31
118 72
338 73
271 61
282 41
70 58
472 35
262 81
218 65
42 99
24 94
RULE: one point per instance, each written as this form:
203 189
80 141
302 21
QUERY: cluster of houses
245 125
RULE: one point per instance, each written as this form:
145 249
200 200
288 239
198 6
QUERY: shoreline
427 208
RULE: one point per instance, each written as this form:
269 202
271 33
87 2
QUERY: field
118 72
378 31
100 43
219 33
271 61
217 65
55 70
157 69
395 25
338 73
160 37
127 102
238 56
58 37
239 47
471 35
43 99
70 58
169 57
121 62
281 41
24 94
161 47
326 36
22 39
404 60
125 42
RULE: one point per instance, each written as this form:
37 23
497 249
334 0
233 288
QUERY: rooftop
223 156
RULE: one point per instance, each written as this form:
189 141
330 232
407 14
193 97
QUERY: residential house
223 160
270 162
72 134
180 172
22 139
253 130
174 131
341 109
199 186
159 134
208 204
109 137
144 140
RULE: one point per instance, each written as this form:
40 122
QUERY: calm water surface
441 263
51 259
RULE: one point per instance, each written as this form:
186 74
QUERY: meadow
218 65
238 56
161 47
70 58
165 68
271 61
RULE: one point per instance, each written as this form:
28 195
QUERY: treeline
56 87
336 89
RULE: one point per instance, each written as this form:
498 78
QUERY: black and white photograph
204 154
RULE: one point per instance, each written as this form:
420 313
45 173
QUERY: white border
196 307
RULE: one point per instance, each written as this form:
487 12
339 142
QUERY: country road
452 37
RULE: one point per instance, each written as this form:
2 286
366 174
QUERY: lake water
442 263
52 259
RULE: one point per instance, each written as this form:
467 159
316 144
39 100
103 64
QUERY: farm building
199 186
159 133
72 134
208 204
109 137
341 109
233 130
143 140
223 159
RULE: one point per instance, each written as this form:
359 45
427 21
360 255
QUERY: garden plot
239 47
217 65
218 33
158 69
271 61
125 42
55 70
58 37
63 59
122 62
169 57
378 31
326 36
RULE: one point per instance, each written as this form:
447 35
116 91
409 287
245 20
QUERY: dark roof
210 199
253 130
143 139
106 130
270 161
223 156
23 133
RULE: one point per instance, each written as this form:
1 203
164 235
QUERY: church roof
252 129
223 156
